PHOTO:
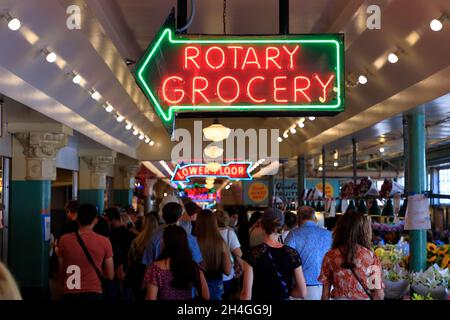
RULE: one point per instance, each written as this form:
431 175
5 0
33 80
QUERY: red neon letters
249 74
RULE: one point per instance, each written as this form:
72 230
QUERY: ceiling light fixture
213 151
95 95
128 126
362 79
108 107
119 118
135 132
151 143
437 24
147 140
293 130
216 132
320 168
335 164
76 78
392 57
381 149
141 137
301 124
50 56
312 118
13 23
280 139
285 135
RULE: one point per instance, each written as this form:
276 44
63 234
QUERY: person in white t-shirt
231 239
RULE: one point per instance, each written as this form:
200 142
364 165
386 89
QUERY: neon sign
231 171
198 192
261 75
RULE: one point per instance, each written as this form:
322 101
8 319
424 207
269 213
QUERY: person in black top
272 271
121 239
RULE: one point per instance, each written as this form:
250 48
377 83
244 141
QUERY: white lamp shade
213 151
213 166
216 132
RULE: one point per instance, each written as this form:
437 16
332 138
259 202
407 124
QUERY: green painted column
93 196
28 248
416 181
123 197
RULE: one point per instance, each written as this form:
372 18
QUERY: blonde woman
136 268
8 286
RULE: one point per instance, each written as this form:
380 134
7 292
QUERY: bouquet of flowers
439 255
392 227
433 281
389 188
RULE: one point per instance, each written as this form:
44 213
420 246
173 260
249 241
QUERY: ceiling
114 30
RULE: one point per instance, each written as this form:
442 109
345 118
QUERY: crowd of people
184 252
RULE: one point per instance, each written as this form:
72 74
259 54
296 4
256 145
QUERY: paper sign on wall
46 227
417 214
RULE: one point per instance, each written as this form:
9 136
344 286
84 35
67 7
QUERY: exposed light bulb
50 57
141 137
147 140
392 58
335 164
76 79
293 130
301 124
109 108
285 135
320 168
128 126
436 25
152 143
362 79
312 118
280 139
165 194
14 24
135 132
119 118
381 149
95 95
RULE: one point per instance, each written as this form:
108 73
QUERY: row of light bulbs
300 123
256 165
435 25
14 24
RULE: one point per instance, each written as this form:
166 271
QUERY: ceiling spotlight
95 95
301 124
293 130
128 126
280 139
147 140
13 23
381 149
312 118
436 25
135 132
392 58
362 79
119 118
109 108
141 137
76 78
216 132
152 143
50 57
285 135
335 164
320 168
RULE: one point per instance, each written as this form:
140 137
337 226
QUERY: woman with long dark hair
216 255
351 267
174 274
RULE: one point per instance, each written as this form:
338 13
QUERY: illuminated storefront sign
261 75
231 171
198 193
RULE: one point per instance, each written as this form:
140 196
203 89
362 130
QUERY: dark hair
192 208
352 230
290 219
171 212
176 248
254 218
112 214
86 214
242 215
72 205
305 213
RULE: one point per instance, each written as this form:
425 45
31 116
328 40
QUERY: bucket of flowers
395 275
439 255
433 281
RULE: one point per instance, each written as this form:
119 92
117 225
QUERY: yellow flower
432 259
443 250
431 247
379 252
445 262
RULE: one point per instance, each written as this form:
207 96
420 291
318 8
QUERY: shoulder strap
88 256
369 294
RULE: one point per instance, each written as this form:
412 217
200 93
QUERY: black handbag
103 281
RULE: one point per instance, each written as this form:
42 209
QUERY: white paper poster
332 209
46 227
417 213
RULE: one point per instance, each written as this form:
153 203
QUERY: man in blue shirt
171 213
312 243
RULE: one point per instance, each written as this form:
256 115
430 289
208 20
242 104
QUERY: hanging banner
192 75
231 171
290 188
417 215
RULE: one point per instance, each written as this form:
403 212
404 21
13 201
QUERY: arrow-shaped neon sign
231 171
254 74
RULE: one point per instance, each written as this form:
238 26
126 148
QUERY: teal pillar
93 196
123 197
28 241
416 181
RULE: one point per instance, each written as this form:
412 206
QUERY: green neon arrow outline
169 116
